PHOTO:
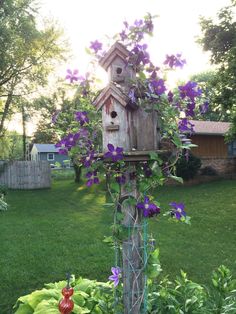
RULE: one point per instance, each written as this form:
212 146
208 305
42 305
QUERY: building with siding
49 153
211 146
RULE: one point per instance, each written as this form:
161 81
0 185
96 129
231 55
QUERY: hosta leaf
24 309
37 296
47 306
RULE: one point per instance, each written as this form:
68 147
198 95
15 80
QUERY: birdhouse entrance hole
113 114
118 70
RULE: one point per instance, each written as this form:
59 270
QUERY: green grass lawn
46 233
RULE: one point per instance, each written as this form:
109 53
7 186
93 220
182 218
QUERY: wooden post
132 249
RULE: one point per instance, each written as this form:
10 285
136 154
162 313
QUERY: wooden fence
25 175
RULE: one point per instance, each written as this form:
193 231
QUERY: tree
28 53
11 146
219 38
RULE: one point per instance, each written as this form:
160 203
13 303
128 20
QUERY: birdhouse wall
120 72
116 125
146 128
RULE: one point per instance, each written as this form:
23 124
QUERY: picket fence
25 175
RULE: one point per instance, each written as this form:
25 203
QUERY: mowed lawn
46 233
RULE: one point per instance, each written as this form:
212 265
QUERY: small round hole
119 70
113 114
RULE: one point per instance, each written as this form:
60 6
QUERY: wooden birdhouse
125 124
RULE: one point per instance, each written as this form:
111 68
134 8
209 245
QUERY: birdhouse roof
114 91
116 50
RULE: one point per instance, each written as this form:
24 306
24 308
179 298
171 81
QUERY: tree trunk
78 172
5 112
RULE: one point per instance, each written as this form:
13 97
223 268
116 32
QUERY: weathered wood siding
209 146
25 175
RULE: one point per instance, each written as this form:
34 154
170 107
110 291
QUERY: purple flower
82 117
95 45
178 210
70 140
170 96
174 61
140 55
190 110
148 25
149 209
72 75
116 273
190 90
63 150
121 179
185 125
204 107
147 170
131 95
92 178
157 86
55 116
89 159
114 153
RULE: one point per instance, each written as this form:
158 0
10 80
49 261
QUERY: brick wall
222 165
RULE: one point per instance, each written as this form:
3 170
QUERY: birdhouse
125 124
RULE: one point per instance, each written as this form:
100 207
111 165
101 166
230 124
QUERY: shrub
187 168
165 296
208 171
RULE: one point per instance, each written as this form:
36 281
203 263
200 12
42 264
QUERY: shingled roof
210 127
46 148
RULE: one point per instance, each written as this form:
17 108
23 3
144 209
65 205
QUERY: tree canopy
28 51
219 38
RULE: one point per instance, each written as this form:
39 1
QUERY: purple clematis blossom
204 107
114 153
174 61
55 116
72 75
121 179
95 45
147 170
116 274
149 209
190 110
140 55
92 178
157 87
190 90
185 125
89 159
82 117
178 210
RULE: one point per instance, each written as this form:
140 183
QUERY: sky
175 29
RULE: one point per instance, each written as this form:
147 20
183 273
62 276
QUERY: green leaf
153 156
178 179
37 296
108 205
115 187
79 310
47 306
24 309
78 299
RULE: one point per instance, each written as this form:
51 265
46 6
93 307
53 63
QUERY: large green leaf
37 296
24 309
47 307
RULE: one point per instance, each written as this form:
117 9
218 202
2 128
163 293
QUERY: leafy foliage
219 38
187 167
28 53
165 297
